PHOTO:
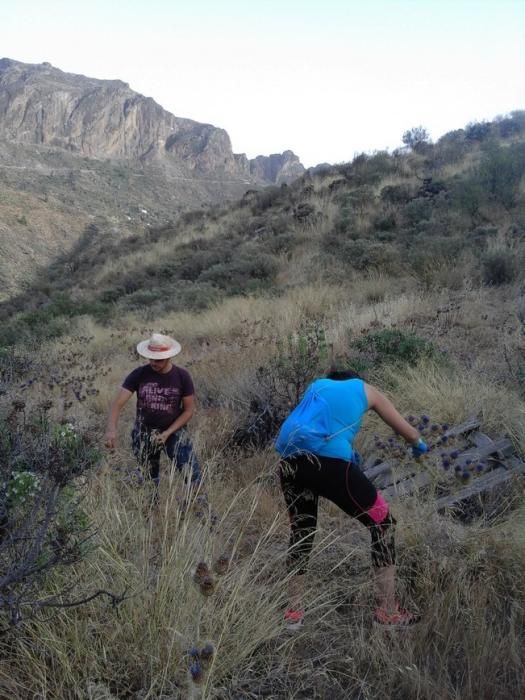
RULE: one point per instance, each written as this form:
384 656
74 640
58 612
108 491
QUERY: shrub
500 173
419 209
396 194
281 383
42 524
499 267
393 346
478 131
416 138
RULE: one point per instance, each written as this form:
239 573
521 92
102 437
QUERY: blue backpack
306 430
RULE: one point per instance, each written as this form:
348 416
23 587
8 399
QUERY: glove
419 448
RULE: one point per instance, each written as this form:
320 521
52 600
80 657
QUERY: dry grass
466 580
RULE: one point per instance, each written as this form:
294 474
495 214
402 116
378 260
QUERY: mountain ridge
41 104
75 150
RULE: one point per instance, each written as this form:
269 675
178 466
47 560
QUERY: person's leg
179 449
302 504
146 452
344 484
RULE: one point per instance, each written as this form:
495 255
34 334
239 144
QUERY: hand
161 436
110 439
419 448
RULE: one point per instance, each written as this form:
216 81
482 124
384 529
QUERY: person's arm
110 438
386 410
188 409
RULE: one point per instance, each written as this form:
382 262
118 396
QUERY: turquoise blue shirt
326 420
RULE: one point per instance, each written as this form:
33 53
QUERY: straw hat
158 347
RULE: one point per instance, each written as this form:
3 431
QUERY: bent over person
318 459
165 405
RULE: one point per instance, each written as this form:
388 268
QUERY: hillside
74 150
441 213
406 267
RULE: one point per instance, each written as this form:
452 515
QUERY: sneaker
393 620
293 620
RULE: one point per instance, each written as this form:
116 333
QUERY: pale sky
324 78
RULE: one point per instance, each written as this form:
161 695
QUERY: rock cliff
105 119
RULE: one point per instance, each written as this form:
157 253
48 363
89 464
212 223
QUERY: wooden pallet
397 478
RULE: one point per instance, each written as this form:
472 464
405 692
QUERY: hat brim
142 349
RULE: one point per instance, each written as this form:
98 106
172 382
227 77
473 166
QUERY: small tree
416 138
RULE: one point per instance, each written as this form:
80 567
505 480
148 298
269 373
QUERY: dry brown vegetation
463 354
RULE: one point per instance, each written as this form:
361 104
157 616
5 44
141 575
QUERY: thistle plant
444 455
201 657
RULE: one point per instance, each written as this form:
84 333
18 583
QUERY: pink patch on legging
379 510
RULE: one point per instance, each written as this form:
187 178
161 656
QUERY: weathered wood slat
396 474
483 441
372 472
408 487
483 483
476 453
468 426
515 464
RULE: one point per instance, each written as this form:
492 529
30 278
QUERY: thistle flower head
201 571
207 586
465 476
207 653
197 673
221 565
480 467
194 652
19 404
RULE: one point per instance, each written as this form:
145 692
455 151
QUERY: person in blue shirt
315 444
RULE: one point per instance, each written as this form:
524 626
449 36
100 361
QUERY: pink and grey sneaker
399 618
293 619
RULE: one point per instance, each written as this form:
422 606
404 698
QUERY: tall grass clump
151 554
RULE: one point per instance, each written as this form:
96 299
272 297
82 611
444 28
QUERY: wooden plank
476 453
515 464
470 424
372 472
484 441
482 483
408 486
398 473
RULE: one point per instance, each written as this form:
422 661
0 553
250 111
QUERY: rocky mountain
42 105
77 152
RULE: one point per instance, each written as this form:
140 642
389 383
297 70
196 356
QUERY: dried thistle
207 653
18 404
222 565
197 673
201 572
207 586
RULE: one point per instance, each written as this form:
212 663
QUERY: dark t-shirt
159 396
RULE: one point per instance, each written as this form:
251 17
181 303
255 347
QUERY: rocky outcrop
42 105
278 167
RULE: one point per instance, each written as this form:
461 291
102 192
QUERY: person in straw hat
165 405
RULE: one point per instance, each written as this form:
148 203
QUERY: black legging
306 477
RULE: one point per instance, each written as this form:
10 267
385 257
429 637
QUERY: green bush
392 346
419 209
501 171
